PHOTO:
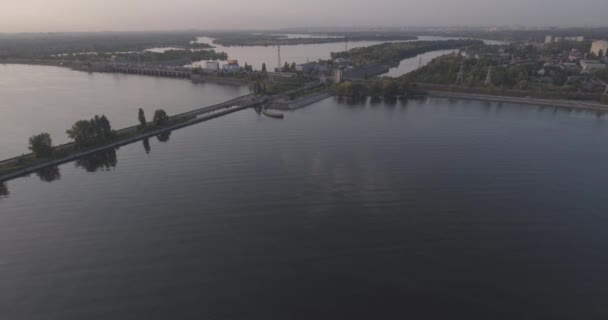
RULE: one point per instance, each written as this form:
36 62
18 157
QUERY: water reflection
49 174
403 101
3 190
105 160
164 137
352 101
146 143
75 95
374 101
452 101
390 101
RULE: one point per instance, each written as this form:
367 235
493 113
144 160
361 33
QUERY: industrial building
550 39
592 65
232 66
338 75
312 67
212 66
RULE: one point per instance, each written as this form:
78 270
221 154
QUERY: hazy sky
97 15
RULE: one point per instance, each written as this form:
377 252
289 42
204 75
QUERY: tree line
387 87
520 76
94 132
393 53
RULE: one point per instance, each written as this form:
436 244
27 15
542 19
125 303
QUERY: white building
338 75
212 66
592 65
599 45
548 39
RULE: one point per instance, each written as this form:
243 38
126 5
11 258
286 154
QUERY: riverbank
570 104
301 102
35 62
229 80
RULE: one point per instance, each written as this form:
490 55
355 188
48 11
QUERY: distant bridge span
157 72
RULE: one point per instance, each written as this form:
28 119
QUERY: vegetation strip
569 104
177 124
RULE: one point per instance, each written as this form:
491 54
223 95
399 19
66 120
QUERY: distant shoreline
76 67
270 42
561 103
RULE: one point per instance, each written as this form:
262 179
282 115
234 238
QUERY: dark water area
424 209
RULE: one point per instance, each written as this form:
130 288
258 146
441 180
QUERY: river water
37 99
410 64
434 209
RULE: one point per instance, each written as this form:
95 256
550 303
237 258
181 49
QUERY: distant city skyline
141 15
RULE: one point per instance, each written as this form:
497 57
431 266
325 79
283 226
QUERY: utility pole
460 78
279 57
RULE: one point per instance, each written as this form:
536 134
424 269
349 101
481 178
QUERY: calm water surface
36 99
410 64
429 209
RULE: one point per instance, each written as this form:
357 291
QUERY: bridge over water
197 116
159 72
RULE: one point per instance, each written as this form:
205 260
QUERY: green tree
600 53
522 85
343 88
89 133
405 87
560 78
292 67
375 89
390 88
259 87
263 67
103 129
160 118
41 145
82 134
142 118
